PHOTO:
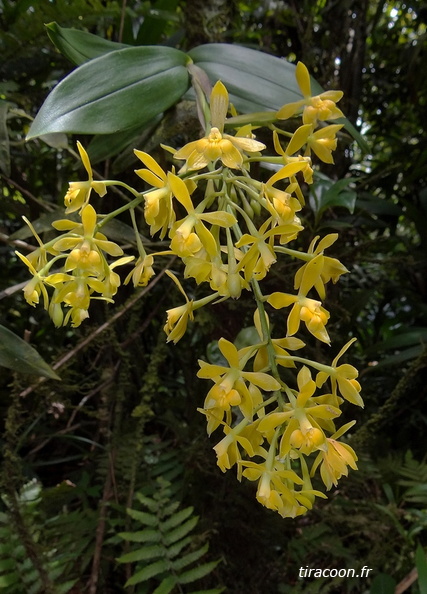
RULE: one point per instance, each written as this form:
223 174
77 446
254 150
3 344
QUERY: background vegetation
120 431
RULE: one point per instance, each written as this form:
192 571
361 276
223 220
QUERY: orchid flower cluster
229 228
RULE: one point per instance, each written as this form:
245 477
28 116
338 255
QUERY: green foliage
378 516
21 571
168 548
18 355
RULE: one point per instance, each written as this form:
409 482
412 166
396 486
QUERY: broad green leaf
117 91
421 563
18 355
148 572
404 355
326 193
80 46
255 81
401 339
382 584
105 146
198 572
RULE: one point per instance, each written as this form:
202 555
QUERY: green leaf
176 519
18 355
177 547
166 586
401 339
106 146
182 562
155 22
181 531
148 572
144 554
198 572
421 564
326 193
142 536
8 580
80 46
255 81
143 517
382 584
117 91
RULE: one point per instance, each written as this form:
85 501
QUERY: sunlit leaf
117 91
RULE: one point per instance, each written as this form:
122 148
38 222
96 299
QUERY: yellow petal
89 219
180 190
219 105
299 138
85 159
287 171
262 380
303 79
151 164
279 300
229 351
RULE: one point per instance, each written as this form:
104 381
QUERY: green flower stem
139 244
269 463
294 253
319 366
259 117
204 301
259 298
111 215
265 403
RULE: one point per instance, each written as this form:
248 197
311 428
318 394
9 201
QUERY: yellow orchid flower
216 144
319 269
323 142
142 272
304 309
177 317
229 383
335 458
320 107
86 246
78 193
159 211
343 378
35 287
185 242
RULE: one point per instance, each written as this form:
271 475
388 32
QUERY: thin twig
27 193
407 581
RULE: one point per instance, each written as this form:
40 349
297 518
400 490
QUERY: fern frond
169 553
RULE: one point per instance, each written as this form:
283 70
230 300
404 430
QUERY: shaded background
125 414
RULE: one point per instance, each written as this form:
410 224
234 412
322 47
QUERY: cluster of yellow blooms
229 237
